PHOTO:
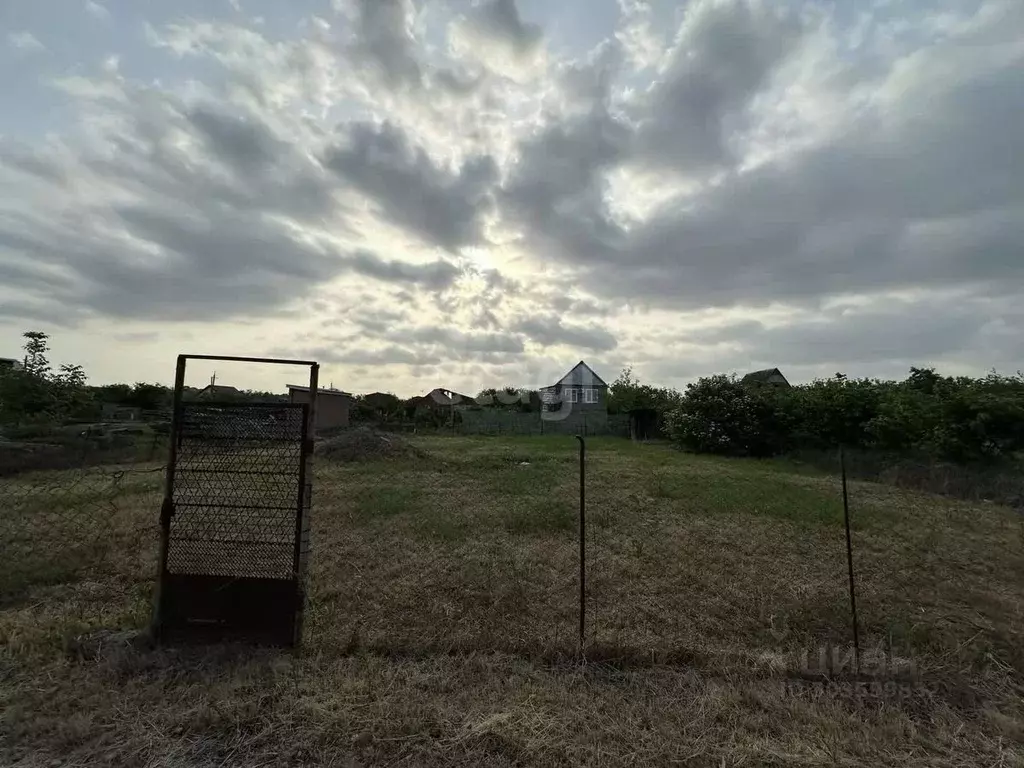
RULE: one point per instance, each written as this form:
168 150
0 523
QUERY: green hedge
957 419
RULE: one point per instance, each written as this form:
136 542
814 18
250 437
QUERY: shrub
957 419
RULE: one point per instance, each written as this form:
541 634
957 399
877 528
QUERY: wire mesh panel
236 521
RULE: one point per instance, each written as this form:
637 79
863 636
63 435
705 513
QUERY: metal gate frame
168 622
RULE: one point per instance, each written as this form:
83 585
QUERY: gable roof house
580 389
769 376
443 398
218 390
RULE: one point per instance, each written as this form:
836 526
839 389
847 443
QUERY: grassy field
441 627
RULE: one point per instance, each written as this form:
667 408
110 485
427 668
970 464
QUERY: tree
626 393
148 397
720 415
36 349
114 394
35 393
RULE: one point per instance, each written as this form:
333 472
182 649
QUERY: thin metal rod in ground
583 543
849 560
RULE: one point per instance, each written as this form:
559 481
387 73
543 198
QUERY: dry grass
442 619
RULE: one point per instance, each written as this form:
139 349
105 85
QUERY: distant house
214 391
580 389
443 398
332 405
769 376
9 364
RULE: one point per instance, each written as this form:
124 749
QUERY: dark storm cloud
551 330
246 144
723 55
444 206
437 275
556 187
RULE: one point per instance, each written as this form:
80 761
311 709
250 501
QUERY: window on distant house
590 395
574 395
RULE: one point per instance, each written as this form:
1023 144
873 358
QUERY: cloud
436 275
186 210
887 201
137 337
462 190
636 34
894 329
96 10
497 22
444 206
552 330
345 354
24 41
462 342
723 55
384 41
246 144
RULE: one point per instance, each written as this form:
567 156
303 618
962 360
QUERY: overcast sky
469 194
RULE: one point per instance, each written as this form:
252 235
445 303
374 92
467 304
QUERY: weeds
442 621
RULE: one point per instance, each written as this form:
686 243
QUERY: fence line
56 524
491 422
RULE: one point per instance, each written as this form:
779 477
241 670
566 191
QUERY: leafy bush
956 419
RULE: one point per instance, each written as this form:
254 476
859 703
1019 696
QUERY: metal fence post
167 506
849 559
583 543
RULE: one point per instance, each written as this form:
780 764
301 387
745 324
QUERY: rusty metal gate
235 520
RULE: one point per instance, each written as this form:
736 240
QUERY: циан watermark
835 671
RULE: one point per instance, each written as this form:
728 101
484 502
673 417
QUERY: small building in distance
332 405
218 391
580 389
441 398
768 377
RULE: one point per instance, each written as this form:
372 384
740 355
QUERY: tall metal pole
583 543
167 507
849 560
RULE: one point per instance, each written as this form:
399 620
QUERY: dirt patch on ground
365 444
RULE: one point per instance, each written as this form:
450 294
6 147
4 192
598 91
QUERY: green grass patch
445 583
517 480
541 516
759 494
443 522
386 501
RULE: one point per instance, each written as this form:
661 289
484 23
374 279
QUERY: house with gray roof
580 389
768 377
